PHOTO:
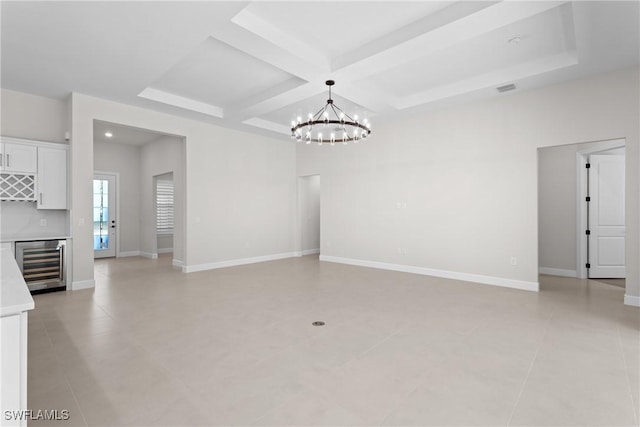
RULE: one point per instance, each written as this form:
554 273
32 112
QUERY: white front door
606 216
104 216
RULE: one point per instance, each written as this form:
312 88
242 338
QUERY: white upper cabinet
19 158
52 178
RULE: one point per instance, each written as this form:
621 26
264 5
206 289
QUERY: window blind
164 206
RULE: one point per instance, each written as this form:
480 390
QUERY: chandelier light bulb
339 125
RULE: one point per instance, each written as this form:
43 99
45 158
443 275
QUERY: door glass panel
100 214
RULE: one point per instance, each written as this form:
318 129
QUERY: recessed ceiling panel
337 28
535 38
221 75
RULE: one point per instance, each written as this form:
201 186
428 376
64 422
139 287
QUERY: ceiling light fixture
515 39
330 121
108 134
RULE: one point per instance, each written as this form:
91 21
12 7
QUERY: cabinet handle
8 161
40 198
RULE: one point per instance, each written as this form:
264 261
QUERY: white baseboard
83 284
632 300
149 255
557 272
234 262
467 277
177 263
310 251
128 254
165 250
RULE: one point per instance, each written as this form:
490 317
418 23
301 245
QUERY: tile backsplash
23 220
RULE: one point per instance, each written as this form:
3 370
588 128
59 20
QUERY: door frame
116 176
581 204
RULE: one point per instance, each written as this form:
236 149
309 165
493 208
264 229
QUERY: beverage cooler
42 264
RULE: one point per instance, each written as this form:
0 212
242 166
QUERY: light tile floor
153 346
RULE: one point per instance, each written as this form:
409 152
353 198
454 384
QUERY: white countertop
27 237
14 294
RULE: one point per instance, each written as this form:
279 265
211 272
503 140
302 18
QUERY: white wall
454 192
240 187
125 160
161 156
32 117
309 211
165 243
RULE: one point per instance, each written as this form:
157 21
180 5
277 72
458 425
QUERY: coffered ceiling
257 65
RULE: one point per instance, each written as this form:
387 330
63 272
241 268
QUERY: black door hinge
588 199
588 165
588 232
588 265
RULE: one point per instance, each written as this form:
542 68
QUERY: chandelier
330 125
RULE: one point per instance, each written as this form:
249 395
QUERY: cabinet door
52 178
20 158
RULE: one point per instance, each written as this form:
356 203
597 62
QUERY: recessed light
108 134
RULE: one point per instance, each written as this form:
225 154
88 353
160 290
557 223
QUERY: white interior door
606 216
104 216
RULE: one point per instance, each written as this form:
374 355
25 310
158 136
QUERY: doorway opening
140 158
309 218
565 216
